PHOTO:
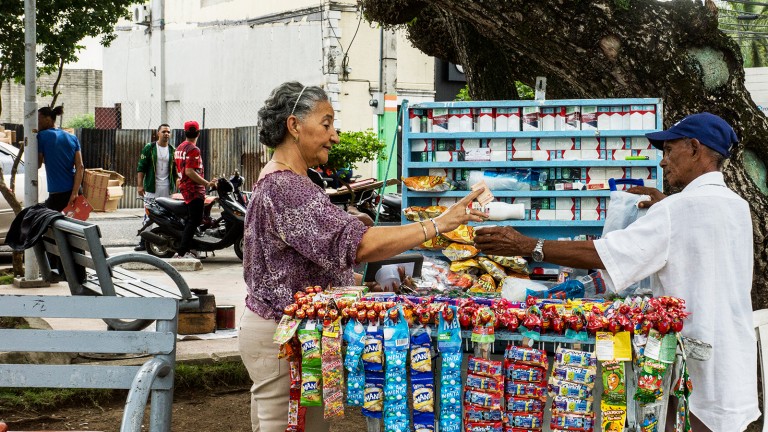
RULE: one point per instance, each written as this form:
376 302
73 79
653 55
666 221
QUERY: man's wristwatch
538 251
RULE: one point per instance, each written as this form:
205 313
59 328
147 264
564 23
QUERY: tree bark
601 49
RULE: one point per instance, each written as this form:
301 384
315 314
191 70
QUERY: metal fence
223 151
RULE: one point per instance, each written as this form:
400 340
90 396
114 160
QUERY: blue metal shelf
515 194
524 103
539 223
538 164
531 134
550 229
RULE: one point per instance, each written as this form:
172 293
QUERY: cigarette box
588 117
485 119
572 119
592 148
439 120
498 148
531 119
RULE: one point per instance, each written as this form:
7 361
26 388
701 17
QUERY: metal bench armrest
139 393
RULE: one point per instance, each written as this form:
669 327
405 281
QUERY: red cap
191 126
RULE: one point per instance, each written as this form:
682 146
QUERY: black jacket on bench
29 226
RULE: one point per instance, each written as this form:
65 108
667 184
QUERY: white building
225 56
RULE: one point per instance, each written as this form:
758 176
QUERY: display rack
581 141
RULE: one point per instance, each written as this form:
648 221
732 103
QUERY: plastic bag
517 180
622 211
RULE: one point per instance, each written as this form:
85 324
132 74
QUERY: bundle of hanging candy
391 339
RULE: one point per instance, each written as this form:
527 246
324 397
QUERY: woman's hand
654 193
460 213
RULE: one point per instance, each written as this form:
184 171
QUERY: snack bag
491 384
574 374
525 420
465 265
311 387
569 357
463 234
520 404
457 251
475 414
492 268
614 388
310 348
436 243
571 405
521 372
421 352
515 263
649 384
373 353
484 367
333 373
573 422
373 404
559 387
614 417
524 389
428 184
527 356
484 427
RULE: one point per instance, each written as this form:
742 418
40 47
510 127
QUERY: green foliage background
354 148
85 121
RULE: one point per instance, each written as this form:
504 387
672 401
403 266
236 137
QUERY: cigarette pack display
588 117
572 118
439 120
499 148
552 118
486 118
604 117
531 119
592 148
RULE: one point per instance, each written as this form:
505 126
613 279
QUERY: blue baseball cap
709 129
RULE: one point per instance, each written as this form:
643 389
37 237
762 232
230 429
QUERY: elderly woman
295 237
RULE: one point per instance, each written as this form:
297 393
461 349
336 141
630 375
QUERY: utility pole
31 269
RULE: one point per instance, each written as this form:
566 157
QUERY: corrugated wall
128 145
253 155
223 151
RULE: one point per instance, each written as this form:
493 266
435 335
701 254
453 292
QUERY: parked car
7 154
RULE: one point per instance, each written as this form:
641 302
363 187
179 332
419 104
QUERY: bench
154 377
90 271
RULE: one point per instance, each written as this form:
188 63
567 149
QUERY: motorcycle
169 215
363 195
389 210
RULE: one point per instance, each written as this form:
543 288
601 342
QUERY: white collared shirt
698 246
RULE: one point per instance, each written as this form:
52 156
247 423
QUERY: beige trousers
270 376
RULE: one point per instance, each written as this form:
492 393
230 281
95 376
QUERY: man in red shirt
192 185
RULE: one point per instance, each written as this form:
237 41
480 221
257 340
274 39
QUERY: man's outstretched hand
654 193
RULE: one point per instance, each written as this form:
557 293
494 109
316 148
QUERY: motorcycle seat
177 207
392 200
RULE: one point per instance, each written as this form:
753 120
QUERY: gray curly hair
288 98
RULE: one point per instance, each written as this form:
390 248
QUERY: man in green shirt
156 171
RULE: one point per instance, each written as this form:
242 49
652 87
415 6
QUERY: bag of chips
492 268
515 263
457 251
428 184
463 234
465 265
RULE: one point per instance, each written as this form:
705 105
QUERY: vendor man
698 246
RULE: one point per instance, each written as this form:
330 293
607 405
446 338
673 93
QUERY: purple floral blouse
294 238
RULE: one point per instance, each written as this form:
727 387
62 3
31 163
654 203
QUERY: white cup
388 277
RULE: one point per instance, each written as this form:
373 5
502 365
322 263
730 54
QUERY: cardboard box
103 189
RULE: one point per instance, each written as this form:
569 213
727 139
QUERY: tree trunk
55 93
604 49
10 197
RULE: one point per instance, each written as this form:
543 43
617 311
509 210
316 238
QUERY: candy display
401 361
525 370
576 411
333 377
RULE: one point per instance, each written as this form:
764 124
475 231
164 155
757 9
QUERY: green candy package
310 348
